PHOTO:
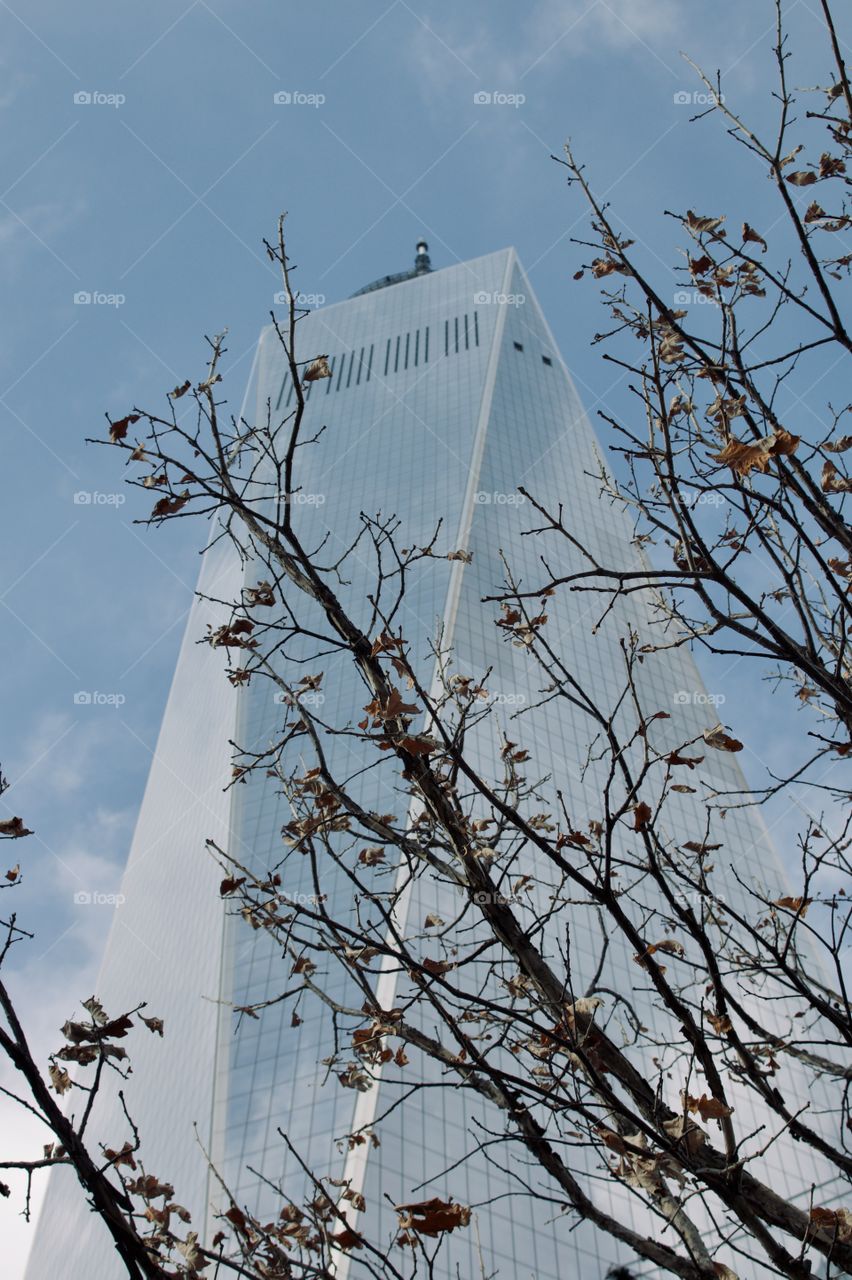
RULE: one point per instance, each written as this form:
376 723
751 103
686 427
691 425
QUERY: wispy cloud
547 34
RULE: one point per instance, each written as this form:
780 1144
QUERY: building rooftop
422 266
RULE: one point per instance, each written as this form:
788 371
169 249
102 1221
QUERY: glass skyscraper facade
447 393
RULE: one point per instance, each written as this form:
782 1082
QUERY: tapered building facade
447 393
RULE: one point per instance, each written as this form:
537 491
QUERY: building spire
422 266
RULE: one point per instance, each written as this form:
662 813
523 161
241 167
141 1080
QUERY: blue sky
144 160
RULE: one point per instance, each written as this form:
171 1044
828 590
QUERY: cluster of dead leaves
743 457
13 829
233 635
86 1042
430 1218
836 1221
523 629
721 741
832 481
393 647
317 369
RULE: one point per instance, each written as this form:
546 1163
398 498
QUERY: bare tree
749 1011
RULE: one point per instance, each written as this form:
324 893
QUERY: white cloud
44 1006
47 978
33 226
546 35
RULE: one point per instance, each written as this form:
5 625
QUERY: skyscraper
447 392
